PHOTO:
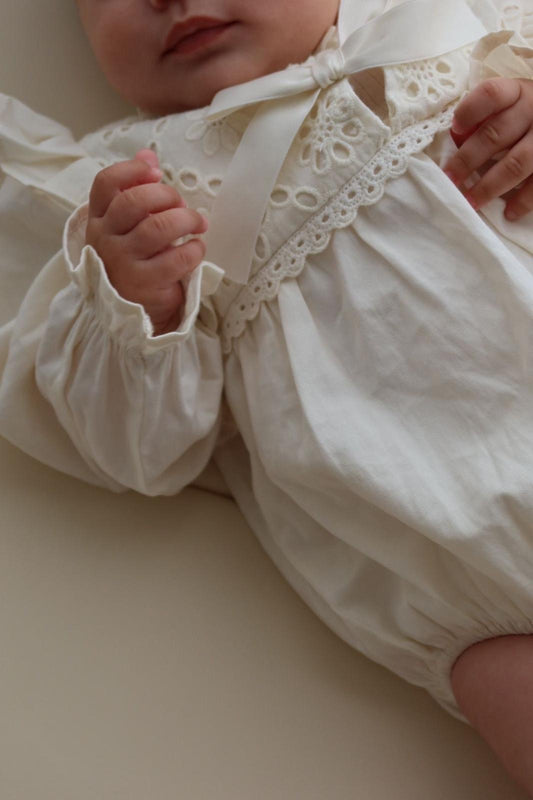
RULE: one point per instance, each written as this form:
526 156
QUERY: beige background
149 649
46 62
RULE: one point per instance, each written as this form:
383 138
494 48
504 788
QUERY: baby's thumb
149 157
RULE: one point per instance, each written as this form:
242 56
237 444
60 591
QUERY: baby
354 345
133 231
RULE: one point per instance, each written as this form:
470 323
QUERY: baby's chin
173 99
163 106
198 93
176 103
163 109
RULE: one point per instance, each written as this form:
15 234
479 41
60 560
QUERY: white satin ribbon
412 31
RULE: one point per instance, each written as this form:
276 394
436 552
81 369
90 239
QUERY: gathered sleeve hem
87 389
126 322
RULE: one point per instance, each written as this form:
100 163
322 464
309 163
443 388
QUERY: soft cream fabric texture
94 600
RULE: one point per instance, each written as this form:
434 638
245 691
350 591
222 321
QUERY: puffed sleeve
85 386
41 154
88 389
507 51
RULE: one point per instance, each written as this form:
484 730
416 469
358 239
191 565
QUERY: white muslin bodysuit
366 390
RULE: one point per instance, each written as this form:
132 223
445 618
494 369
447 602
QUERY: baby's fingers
129 208
492 137
515 167
148 156
151 282
158 231
171 266
117 178
490 97
521 202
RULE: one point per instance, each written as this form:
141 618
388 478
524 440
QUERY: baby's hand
134 220
496 116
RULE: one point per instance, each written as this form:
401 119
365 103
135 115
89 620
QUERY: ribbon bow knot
412 31
328 67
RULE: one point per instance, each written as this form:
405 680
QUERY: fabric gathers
359 365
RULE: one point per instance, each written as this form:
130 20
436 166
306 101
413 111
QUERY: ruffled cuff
495 56
127 322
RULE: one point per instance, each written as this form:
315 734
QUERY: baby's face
167 56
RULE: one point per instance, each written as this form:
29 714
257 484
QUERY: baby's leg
493 684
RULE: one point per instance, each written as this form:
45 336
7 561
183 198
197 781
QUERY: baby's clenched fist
134 221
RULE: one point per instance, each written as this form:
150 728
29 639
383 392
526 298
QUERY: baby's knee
493 668
493 686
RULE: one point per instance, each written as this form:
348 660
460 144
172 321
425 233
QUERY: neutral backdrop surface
149 648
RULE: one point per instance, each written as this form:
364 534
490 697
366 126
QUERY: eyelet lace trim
515 16
213 136
365 189
425 84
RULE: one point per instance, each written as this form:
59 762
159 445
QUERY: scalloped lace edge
364 189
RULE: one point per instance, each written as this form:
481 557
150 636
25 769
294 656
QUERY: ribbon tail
354 14
413 31
240 205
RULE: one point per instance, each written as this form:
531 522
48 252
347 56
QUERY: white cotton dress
367 395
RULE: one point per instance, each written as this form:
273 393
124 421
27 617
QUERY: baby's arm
496 116
87 388
133 221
